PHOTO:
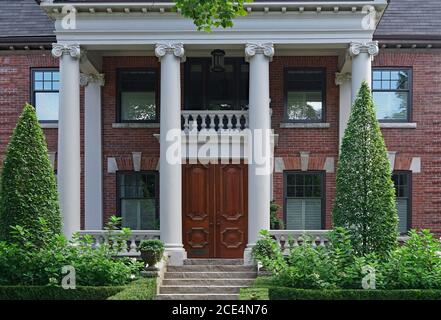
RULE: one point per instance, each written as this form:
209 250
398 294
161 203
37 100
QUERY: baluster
230 121
212 125
322 241
186 124
203 121
97 240
245 126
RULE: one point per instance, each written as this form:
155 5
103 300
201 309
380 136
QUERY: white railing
214 120
288 238
130 247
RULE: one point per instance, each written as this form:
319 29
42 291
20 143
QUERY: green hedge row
143 289
282 293
57 293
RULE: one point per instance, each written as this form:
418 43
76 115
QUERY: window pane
55 75
138 106
303 214
402 208
139 214
47 86
38 76
304 105
46 104
38 85
391 105
377 75
221 89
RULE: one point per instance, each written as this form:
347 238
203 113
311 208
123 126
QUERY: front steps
206 279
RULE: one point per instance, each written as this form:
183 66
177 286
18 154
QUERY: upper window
304 201
402 191
137 95
391 89
206 89
45 87
305 92
138 197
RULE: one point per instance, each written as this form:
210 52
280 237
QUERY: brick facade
321 143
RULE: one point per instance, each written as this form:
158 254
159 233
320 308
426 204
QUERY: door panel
215 208
231 211
196 209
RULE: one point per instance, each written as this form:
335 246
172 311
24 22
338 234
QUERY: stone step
207 282
210 268
210 275
205 262
200 289
209 296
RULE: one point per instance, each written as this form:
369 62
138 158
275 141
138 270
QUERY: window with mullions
138 196
402 191
305 95
304 201
137 95
391 90
45 93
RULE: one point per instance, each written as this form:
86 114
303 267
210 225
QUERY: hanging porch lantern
217 60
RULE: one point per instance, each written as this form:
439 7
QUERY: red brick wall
424 142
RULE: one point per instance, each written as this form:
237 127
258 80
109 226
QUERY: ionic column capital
85 79
341 78
177 49
59 49
251 49
370 47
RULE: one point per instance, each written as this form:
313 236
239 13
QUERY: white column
93 175
344 81
362 54
171 55
69 167
259 157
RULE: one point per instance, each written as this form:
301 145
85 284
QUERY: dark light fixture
217 60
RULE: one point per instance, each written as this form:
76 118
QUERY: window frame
33 91
409 198
322 174
130 172
285 94
206 64
409 92
118 112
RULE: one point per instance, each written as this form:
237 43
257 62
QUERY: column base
175 254
248 259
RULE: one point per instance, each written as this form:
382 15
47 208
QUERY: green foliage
282 293
275 222
152 245
211 13
365 196
24 263
258 290
28 187
267 252
415 265
143 289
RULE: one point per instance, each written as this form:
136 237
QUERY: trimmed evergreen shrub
365 196
282 293
143 289
57 293
29 192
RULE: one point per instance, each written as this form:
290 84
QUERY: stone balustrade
214 120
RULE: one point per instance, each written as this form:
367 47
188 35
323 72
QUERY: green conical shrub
29 192
365 196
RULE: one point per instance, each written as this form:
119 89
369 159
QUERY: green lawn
258 290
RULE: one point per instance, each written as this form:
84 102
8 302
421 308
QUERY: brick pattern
424 141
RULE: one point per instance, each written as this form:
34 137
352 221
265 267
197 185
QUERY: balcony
216 120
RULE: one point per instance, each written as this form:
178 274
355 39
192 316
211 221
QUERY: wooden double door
215 210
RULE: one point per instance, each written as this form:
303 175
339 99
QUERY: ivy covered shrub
365 196
29 195
414 265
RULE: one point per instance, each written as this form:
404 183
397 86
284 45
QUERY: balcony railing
130 247
214 120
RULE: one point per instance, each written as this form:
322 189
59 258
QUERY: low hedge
143 289
57 293
282 293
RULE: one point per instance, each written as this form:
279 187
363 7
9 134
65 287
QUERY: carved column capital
85 79
177 49
251 49
370 47
341 78
58 49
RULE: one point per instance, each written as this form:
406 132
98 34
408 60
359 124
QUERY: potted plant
275 222
151 252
